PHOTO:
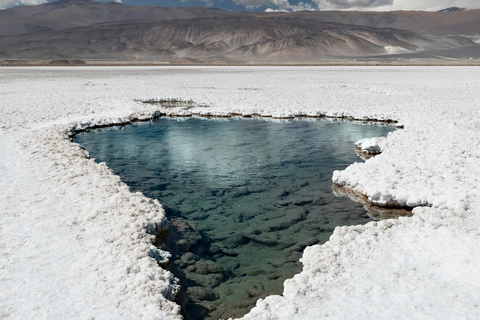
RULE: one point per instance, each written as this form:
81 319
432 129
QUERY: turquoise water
243 197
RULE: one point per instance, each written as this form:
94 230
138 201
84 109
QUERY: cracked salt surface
74 241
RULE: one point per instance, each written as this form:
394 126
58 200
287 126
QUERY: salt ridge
74 239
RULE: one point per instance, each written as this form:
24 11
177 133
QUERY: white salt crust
76 243
371 146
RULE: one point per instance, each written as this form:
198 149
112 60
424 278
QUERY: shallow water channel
243 197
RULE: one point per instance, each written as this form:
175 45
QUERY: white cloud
275 10
351 4
4 4
364 5
390 5
285 5
276 5
431 5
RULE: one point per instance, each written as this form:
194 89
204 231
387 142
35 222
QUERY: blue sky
290 5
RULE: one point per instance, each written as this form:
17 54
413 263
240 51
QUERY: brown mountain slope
64 14
241 39
465 22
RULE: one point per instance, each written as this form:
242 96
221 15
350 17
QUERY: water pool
243 197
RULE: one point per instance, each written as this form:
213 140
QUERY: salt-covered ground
75 243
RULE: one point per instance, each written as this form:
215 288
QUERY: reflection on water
244 198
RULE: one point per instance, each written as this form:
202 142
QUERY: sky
289 5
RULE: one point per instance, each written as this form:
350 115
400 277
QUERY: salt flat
75 242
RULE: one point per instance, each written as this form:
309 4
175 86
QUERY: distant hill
70 30
240 39
64 14
466 22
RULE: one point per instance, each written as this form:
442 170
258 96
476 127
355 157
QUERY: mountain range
90 30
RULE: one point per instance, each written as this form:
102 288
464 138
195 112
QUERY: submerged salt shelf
243 197
74 242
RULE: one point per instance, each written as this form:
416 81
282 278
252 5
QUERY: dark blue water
244 197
